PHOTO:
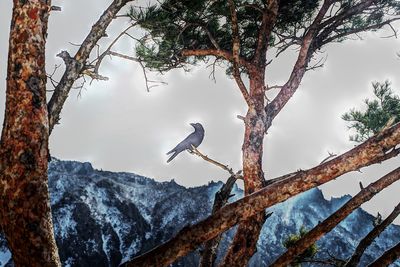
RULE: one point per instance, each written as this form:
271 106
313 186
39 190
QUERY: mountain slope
103 218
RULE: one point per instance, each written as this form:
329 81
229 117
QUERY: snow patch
69 262
64 223
5 256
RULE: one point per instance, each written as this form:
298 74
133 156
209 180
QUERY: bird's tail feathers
169 152
172 157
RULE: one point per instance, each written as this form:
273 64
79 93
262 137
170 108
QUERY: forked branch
75 64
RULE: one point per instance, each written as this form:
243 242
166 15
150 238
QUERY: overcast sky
118 126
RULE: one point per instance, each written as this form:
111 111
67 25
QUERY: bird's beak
192 124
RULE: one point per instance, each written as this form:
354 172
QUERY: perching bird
194 139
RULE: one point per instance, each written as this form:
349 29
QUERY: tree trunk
244 244
25 203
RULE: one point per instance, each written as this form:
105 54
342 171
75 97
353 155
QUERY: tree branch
191 237
209 252
328 224
236 53
370 237
196 152
208 255
74 65
216 53
290 87
358 30
146 78
387 258
108 49
269 15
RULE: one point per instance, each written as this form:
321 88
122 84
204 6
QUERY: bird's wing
187 143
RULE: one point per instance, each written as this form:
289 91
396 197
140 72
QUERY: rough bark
370 237
328 224
191 237
387 258
244 243
76 64
209 253
25 203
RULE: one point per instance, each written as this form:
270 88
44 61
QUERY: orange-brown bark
24 202
299 69
328 224
387 258
191 237
244 243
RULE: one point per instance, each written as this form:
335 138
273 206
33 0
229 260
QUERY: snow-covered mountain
104 218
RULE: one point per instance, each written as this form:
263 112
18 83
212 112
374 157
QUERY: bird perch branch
196 152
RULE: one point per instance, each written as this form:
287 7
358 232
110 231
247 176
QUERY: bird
193 139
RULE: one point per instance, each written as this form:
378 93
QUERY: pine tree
243 34
377 114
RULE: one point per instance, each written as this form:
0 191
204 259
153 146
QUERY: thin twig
330 155
196 152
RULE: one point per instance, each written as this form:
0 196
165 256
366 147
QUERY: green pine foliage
309 253
175 25
377 113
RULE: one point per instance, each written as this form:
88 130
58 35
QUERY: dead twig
330 155
196 152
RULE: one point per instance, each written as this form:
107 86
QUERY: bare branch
370 237
358 30
328 224
268 88
290 87
100 58
331 155
50 77
94 75
216 53
196 152
270 13
55 8
209 252
147 80
75 64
